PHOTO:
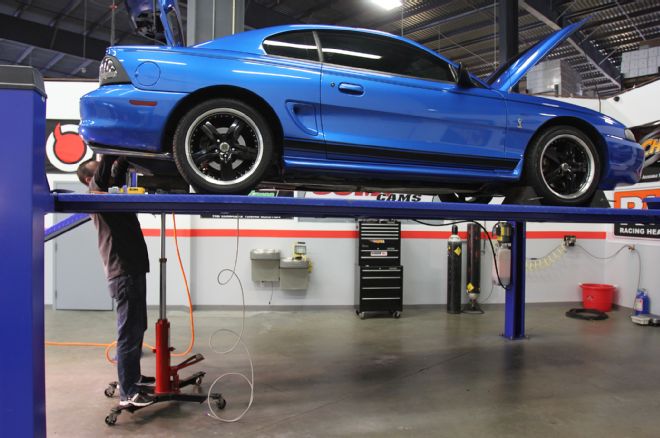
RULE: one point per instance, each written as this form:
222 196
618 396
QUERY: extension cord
239 340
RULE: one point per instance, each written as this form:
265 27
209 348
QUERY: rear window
298 45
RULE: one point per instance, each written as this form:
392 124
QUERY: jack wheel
221 403
109 391
396 314
111 419
361 315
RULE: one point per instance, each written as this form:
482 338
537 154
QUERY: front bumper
624 165
125 117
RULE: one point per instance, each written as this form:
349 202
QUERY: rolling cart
379 274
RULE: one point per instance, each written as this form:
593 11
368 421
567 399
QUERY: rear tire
563 166
223 146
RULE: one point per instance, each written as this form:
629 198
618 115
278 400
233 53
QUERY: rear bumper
125 117
625 163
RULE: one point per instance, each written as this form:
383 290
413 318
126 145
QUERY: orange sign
634 199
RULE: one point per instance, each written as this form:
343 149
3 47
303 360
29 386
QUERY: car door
386 100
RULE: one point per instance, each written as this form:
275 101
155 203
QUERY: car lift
25 199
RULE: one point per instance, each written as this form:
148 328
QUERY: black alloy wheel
563 166
223 146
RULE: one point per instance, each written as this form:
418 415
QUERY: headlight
629 135
111 72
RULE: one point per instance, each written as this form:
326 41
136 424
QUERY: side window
299 45
374 52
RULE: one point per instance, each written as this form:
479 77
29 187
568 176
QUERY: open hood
508 75
170 16
144 15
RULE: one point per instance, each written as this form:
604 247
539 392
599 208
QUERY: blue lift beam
25 198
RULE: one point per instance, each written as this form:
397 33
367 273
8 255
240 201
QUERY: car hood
510 73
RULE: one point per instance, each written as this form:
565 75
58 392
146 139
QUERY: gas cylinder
454 284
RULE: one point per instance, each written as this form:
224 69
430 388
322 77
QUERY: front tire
223 146
563 166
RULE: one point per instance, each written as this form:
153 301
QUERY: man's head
86 171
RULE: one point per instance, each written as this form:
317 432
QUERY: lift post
514 320
24 199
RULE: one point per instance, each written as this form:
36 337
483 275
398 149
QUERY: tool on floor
168 383
587 314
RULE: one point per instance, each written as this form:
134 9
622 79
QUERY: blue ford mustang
311 106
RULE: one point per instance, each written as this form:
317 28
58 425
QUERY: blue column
24 199
514 318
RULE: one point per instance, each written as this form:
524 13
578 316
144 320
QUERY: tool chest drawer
379 288
379 243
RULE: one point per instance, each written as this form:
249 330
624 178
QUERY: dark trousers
130 294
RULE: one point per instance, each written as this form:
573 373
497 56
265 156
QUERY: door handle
354 89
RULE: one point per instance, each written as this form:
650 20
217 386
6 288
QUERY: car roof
250 41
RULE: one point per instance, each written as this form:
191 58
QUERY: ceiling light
388 4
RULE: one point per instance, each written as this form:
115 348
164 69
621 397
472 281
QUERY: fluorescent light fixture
388 4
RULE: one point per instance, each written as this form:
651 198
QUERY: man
126 262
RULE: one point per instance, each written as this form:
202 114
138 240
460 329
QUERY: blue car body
409 131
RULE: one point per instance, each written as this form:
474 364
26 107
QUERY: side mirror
464 80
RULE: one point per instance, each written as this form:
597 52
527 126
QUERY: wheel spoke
227 172
551 154
209 130
572 183
247 153
553 176
580 167
200 156
234 131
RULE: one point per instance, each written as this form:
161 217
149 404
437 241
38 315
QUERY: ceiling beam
19 11
311 11
73 4
543 11
258 16
445 20
25 54
83 65
622 47
54 60
43 36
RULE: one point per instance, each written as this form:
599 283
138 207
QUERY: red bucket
597 296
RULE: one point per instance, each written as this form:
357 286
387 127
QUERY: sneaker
138 399
146 380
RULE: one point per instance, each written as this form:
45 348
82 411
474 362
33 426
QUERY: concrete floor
327 373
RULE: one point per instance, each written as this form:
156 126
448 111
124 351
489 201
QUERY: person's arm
103 176
118 175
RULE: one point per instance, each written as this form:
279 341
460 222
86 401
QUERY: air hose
111 345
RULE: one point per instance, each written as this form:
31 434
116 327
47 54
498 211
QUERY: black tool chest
379 274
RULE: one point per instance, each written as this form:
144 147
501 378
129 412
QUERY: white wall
332 278
634 107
